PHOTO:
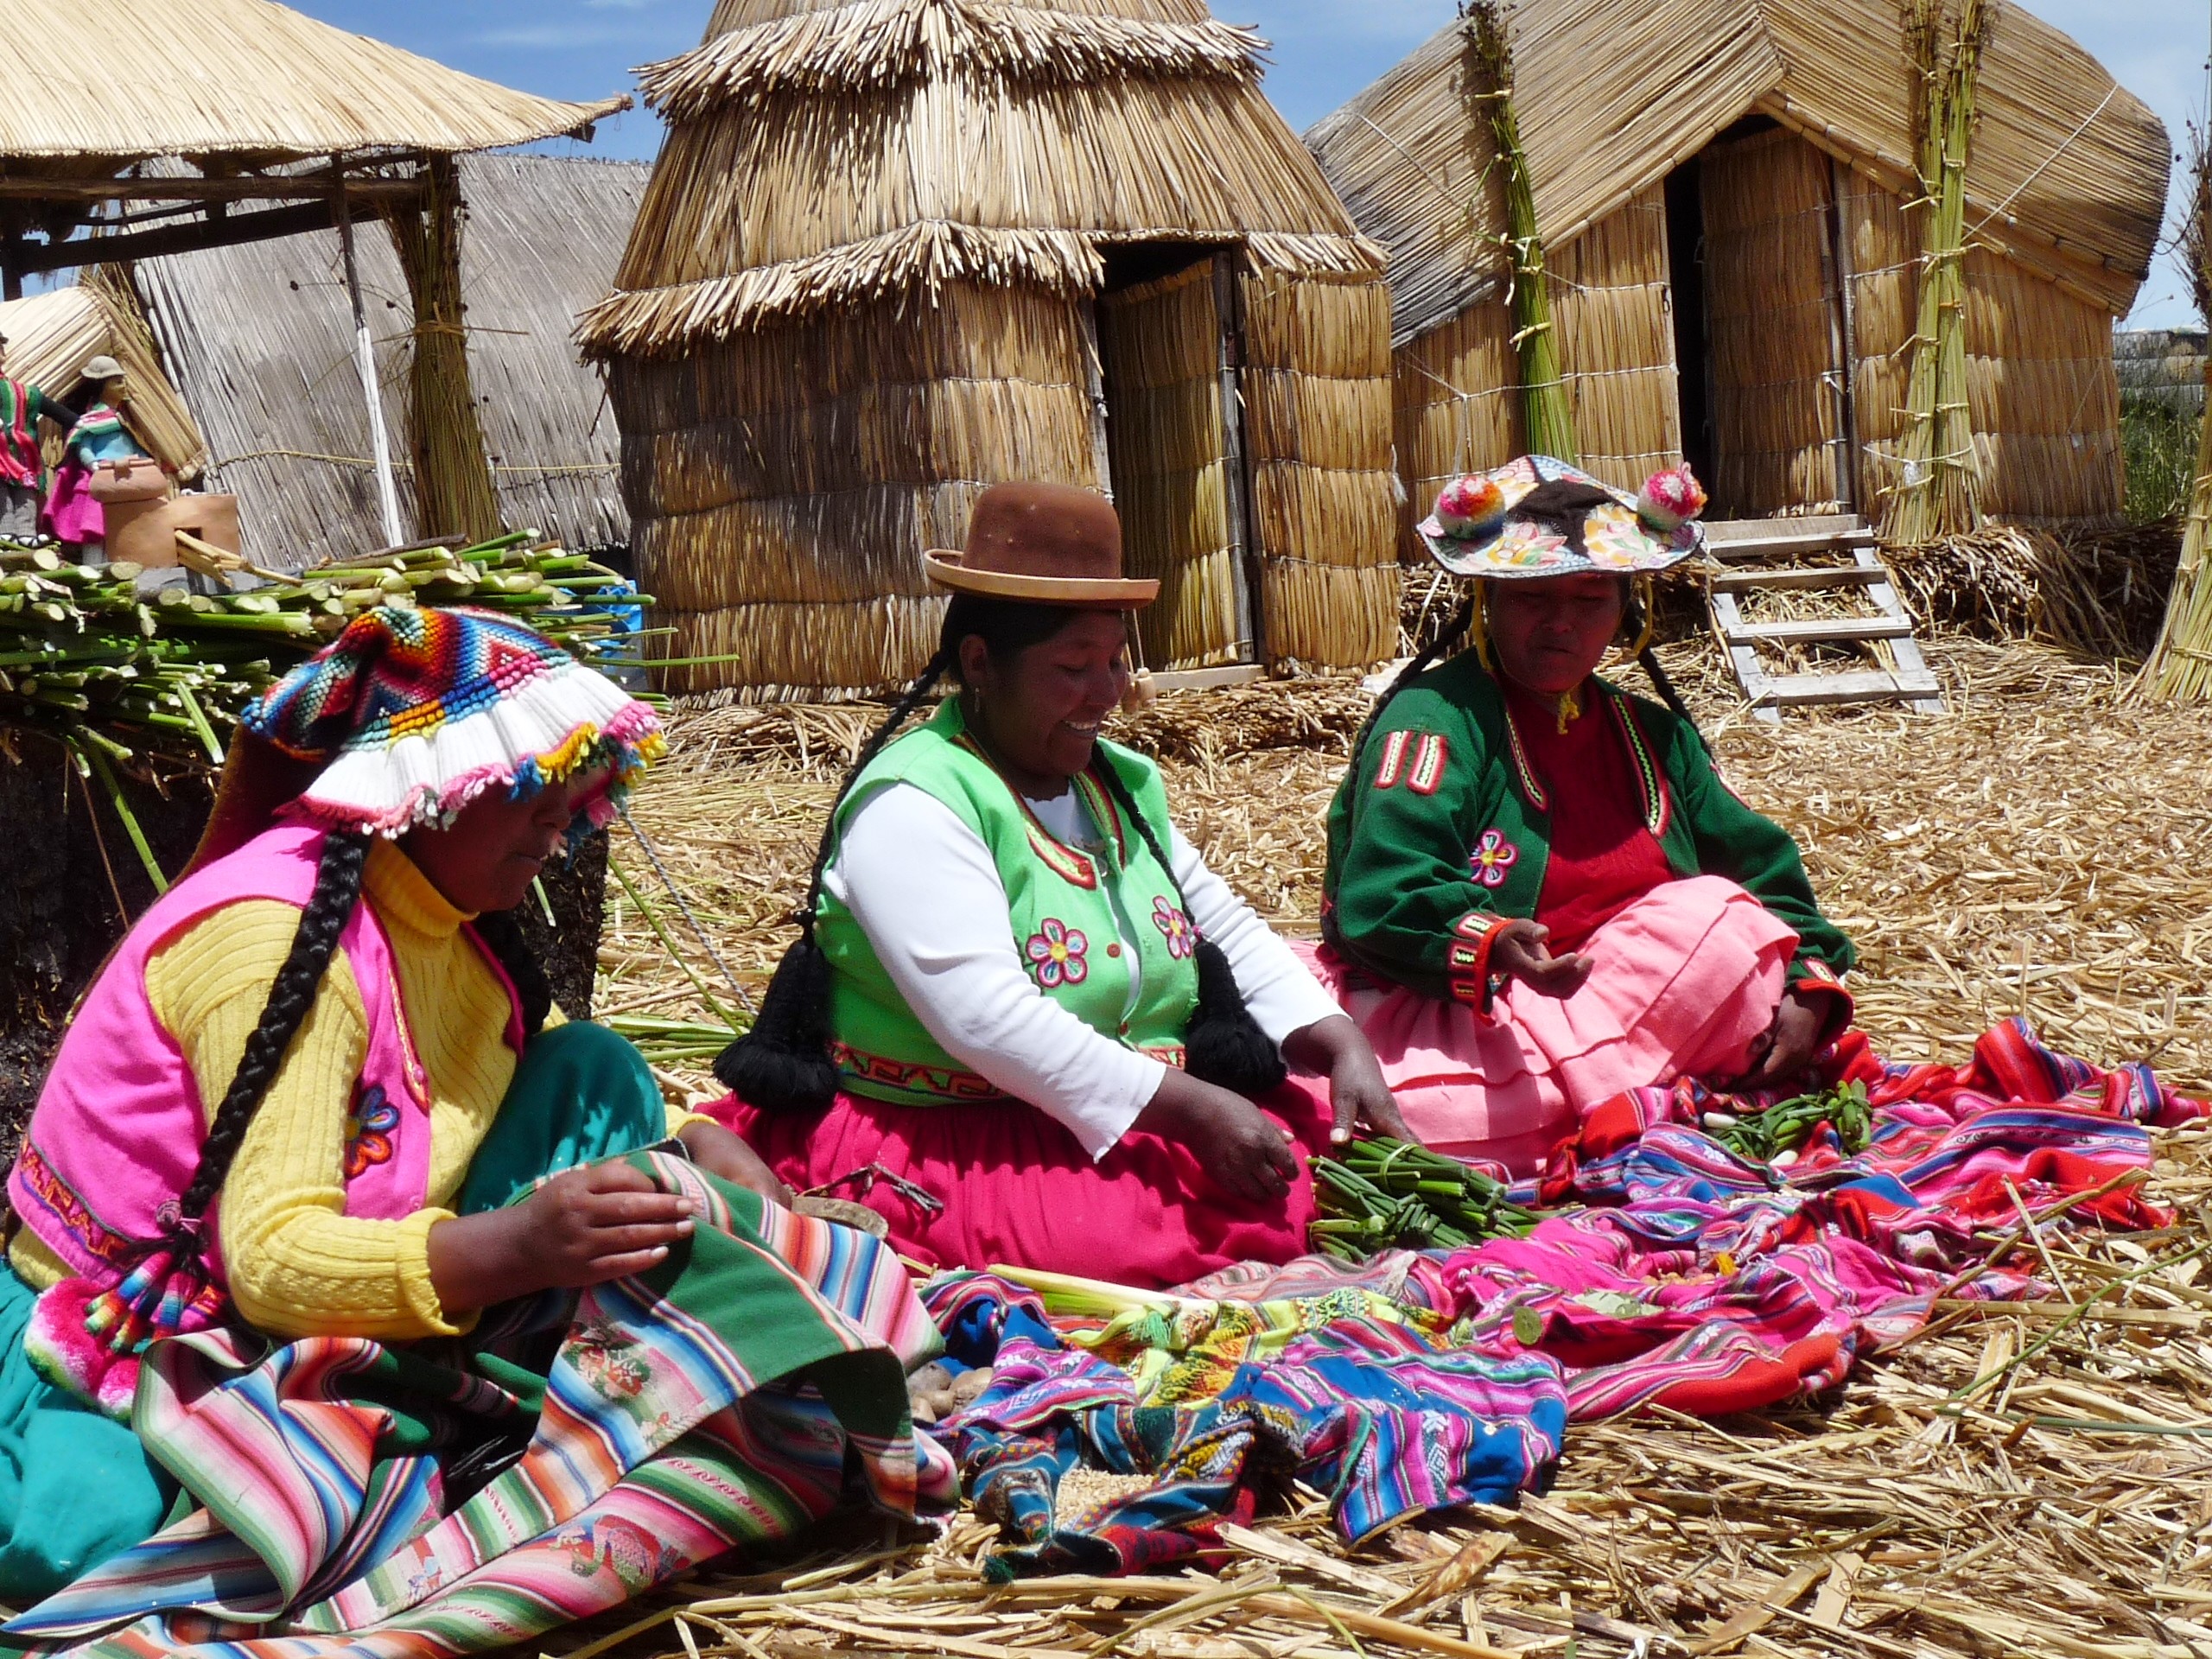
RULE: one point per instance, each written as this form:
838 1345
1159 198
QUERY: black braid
1224 1044
1632 620
503 935
783 1065
337 890
1462 620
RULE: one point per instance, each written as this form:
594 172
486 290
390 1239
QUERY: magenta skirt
1018 1190
1683 982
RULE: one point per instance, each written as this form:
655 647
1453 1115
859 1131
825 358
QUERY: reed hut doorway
1169 350
1760 270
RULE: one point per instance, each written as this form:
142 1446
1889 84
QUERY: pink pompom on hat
1539 516
413 714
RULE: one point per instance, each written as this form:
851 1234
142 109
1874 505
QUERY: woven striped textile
707 1405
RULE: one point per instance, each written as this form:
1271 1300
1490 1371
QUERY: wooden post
453 495
365 360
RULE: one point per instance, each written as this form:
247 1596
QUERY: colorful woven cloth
1690 1278
712 1403
1214 1403
418 712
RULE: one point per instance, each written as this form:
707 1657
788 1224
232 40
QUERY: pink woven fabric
1020 1190
1686 978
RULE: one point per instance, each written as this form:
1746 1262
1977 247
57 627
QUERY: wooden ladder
1767 554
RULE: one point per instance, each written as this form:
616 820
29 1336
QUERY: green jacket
1441 833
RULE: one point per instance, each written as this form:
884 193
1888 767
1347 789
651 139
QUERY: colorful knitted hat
418 712
1537 517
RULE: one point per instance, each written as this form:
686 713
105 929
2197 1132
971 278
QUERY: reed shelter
895 250
259 342
1737 249
139 128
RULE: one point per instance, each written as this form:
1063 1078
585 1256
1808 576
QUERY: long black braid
1462 620
782 1064
1647 660
1224 1044
501 931
337 890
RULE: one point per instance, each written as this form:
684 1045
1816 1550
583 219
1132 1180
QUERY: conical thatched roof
120 80
831 155
2068 174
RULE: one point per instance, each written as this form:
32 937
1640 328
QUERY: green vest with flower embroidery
1061 900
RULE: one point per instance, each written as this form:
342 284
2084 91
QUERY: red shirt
1602 859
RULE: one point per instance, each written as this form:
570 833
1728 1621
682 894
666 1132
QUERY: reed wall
1773 327
785 484
2044 392
1457 387
1316 385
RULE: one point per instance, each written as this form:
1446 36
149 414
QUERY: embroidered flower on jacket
1056 953
368 1132
1175 927
1493 855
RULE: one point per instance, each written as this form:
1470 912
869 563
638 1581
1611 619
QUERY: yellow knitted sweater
298 1265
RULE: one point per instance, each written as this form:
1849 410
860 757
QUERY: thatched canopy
2068 176
260 341
837 155
95 86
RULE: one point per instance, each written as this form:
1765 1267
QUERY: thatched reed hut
1722 189
260 343
895 250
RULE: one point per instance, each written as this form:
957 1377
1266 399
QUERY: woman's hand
1788 1045
1242 1152
1518 949
583 1227
718 1152
1359 1096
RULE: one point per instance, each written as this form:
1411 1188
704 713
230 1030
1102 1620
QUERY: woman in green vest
1538 893
1024 1021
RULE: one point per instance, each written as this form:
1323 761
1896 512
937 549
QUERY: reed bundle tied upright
1936 492
1546 417
2180 664
896 251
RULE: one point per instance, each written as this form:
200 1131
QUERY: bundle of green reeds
1547 419
1383 1193
116 674
2180 665
1937 493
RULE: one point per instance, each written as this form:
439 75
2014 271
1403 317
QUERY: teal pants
76 1487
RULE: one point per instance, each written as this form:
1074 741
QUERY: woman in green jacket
1539 892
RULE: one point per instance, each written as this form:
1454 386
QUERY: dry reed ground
2018 1480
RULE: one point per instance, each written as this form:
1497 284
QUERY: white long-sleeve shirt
926 892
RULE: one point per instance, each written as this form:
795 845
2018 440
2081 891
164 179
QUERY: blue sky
1325 51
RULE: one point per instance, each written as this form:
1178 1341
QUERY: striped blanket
1673 1273
386 1504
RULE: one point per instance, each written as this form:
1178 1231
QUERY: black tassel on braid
1224 1046
502 934
337 890
782 1064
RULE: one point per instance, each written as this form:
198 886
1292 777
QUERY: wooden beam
306 186
231 231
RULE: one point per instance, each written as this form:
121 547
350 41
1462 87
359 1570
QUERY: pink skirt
71 515
1684 980
1018 1190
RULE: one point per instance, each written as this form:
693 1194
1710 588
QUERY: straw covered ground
2018 1480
